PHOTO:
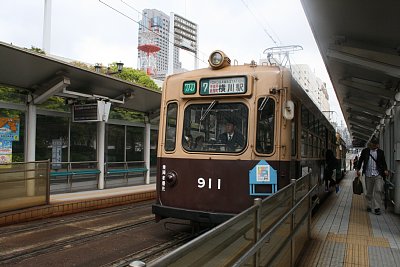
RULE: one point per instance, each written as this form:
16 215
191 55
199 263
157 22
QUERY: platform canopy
360 44
46 76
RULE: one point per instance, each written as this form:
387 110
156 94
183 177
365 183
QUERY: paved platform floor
345 234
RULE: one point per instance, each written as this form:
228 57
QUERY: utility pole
47 26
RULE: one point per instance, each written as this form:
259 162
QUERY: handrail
176 254
74 162
133 161
260 242
200 241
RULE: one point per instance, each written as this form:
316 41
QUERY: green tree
37 50
82 65
135 76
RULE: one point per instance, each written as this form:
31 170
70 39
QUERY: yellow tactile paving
359 222
357 240
356 255
359 235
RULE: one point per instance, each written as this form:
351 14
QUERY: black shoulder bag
357 186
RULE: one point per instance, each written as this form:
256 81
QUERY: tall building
313 86
157 22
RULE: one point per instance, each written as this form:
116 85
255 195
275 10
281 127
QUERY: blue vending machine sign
262 174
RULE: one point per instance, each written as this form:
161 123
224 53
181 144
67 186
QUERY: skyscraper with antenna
153 44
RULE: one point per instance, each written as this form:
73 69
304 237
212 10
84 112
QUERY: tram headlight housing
218 60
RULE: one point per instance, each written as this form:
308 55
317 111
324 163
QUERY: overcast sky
89 31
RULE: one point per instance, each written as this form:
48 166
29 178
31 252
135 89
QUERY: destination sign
223 86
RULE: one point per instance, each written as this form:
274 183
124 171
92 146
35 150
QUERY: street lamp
120 66
98 67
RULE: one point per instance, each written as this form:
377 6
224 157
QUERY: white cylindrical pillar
101 133
30 131
30 146
147 150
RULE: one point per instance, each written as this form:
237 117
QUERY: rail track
110 237
51 222
75 240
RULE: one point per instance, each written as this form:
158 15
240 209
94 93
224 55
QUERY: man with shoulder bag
374 166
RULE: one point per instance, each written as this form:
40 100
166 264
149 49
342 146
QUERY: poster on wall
5 151
262 173
9 129
56 153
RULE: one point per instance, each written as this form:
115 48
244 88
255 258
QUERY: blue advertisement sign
262 174
9 129
5 151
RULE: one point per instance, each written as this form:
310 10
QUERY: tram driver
231 138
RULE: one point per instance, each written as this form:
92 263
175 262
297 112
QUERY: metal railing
24 184
272 232
389 189
120 173
73 176
84 175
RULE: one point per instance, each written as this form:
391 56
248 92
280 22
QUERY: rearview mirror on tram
288 110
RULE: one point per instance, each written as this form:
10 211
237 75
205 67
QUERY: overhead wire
266 23
260 23
290 60
142 25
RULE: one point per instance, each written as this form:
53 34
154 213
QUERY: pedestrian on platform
330 171
372 159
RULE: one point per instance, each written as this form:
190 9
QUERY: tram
219 123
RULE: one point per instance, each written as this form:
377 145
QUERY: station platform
345 234
63 204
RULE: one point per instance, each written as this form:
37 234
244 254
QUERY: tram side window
304 143
265 125
294 137
170 127
304 117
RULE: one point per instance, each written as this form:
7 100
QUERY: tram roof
35 72
360 45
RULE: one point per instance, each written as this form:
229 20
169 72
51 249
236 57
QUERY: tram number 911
204 183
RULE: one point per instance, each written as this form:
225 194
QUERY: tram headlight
171 178
218 60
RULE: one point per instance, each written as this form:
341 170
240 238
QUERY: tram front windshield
215 127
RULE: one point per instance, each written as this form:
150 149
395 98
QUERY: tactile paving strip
356 248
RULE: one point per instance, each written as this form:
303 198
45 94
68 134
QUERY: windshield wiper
263 103
212 104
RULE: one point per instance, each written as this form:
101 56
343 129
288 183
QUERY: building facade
313 86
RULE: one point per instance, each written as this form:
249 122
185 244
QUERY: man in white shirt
374 167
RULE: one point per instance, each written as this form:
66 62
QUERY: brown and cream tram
219 123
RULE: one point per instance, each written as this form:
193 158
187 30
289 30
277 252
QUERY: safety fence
125 173
84 175
272 232
24 185
73 176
